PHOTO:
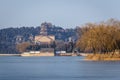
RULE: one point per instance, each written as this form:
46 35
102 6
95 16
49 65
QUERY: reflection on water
57 68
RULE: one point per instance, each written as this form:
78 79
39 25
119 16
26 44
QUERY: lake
57 68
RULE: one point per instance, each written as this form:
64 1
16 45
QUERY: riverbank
102 57
41 54
10 54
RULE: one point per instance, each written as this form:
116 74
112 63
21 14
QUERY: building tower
43 30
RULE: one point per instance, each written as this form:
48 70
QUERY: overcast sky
64 13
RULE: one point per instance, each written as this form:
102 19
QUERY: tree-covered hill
8 36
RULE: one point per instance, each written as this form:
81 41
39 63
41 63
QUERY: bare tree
22 46
102 37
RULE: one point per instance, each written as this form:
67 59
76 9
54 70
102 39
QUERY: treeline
8 37
101 37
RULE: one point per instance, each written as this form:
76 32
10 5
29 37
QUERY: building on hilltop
43 30
44 43
44 38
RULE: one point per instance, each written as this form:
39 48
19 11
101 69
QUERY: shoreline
102 57
40 54
87 56
10 54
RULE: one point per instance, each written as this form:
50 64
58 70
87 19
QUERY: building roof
44 39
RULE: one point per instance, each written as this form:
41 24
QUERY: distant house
19 39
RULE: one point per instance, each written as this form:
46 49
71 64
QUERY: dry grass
102 57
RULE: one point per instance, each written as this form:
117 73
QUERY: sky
64 13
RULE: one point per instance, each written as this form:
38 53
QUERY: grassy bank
103 57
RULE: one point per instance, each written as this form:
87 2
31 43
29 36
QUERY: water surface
57 68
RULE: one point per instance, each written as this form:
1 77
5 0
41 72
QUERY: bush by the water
110 56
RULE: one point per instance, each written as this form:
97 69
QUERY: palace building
45 42
44 38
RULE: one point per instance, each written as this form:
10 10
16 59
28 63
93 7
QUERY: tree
102 37
22 47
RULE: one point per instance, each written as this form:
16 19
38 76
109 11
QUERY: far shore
43 54
10 54
88 56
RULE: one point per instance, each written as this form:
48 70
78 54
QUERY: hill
9 36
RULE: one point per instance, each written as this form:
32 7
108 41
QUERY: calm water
57 68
